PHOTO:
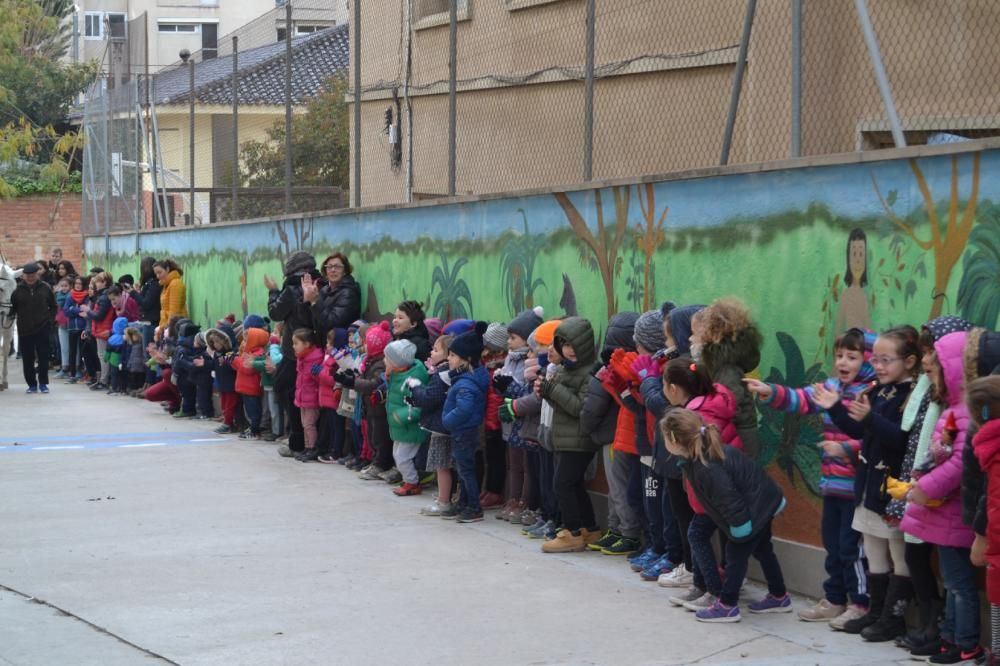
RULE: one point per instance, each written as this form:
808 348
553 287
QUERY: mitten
621 365
645 366
506 411
501 383
411 382
345 378
315 369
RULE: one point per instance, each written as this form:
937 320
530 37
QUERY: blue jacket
465 406
117 339
430 399
225 375
72 311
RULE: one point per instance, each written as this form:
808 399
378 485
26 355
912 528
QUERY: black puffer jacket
148 298
728 362
286 305
421 339
736 492
599 415
337 307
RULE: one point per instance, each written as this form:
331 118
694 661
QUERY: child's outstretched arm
431 395
784 398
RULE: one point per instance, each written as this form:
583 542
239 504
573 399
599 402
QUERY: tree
454 294
517 267
320 144
948 236
979 290
651 236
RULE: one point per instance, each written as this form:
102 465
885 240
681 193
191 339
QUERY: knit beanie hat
254 321
433 325
526 322
546 333
495 338
649 331
401 353
680 326
666 307
376 338
942 326
300 262
469 345
458 326
339 338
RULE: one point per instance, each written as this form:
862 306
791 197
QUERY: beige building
664 72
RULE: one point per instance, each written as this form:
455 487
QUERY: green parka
404 420
567 389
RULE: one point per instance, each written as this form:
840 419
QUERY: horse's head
8 282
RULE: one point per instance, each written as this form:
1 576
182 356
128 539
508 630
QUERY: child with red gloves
370 384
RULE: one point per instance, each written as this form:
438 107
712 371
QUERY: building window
524 4
432 13
189 28
116 25
93 25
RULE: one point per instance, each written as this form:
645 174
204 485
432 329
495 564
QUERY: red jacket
248 380
986 445
329 392
306 383
493 402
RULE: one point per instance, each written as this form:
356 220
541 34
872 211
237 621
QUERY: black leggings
683 515
491 463
918 559
571 489
74 352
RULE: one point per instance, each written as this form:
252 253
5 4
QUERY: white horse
8 282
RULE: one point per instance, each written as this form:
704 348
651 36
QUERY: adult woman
338 303
408 324
173 297
101 315
65 269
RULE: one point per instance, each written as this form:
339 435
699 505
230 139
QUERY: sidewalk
199 549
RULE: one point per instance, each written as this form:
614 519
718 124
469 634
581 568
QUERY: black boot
928 631
893 620
878 585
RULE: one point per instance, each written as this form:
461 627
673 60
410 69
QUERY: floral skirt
439 453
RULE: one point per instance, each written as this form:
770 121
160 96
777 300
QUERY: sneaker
932 648
607 540
408 489
718 612
435 509
956 655
852 613
565 542
528 529
60 375
640 561
250 435
771 604
327 459
469 516
590 536
452 512
504 512
98 386
269 436
428 478
285 451
72 380
824 611
706 600
357 465
491 501
623 546
346 460
692 594
543 531
391 476
526 517
657 568
43 388
307 455
371 473
182 415
32 389
679 577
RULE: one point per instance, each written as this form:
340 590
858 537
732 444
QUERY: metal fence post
355 29
288 106
796 78
235 203
734 97
588 95
452 93
191 139
881 78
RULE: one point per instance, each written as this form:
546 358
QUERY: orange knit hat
545 333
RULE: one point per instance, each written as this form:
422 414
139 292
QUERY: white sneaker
704 601
679 577
692 594
434 509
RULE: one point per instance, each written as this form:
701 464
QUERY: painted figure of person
853 309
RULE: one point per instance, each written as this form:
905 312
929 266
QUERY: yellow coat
173 298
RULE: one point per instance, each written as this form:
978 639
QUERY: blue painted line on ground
107 436
146 443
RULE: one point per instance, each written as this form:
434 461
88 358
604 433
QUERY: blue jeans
463 450
706 567
251 405
961 610
845 573
737 559
664 537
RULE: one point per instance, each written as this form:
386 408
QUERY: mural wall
811 250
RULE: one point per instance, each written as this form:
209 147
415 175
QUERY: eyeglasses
337 266
885 360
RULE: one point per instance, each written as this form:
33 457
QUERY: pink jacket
943 525
329 392
718 409
306 385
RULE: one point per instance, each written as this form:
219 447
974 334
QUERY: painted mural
811 250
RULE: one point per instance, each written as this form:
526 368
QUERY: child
430 399
548 360
62 290
307 354
983 398
494 455
574 449
267 364
367 385
933 512
74 326
332 425
135 363
403 371
113 355
248 380
877 421
462 415
350 402
183 363
742 500
845 586
220 351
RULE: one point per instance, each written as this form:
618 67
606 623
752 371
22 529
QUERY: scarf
78 296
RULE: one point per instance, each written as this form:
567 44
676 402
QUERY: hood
255 339
339 338
299 263
950 351
578 332
982 354
680 326
620 330
986 443
716 407
187 329
119 326
942 326
219 332
479 375
742 350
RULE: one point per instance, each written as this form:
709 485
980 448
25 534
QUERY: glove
645 366
378 395
411 382
408 399
614 382
501 383
345 378
621 365
315 369
506 411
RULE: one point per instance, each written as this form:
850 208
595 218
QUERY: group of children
511 417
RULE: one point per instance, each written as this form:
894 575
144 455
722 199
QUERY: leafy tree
979 291
320 144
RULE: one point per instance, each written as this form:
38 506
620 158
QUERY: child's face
668 334
329 343
848 364
889 366
554 355
115 300
300 346
674 448
675 395
78 285
568 352
400 322
455 361
439 353
932 367
63 286
515 341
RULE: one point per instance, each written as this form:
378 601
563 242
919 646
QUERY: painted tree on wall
979 290
454 294
517 268
948 236
650 238
605 244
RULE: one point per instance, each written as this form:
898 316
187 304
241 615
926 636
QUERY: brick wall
31 226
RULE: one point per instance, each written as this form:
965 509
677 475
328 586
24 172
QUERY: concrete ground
128 537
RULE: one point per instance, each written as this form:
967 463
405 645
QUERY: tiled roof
315 58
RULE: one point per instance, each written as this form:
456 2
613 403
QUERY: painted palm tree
979 290
517 268
454 294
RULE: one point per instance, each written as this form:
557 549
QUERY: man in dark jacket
34 305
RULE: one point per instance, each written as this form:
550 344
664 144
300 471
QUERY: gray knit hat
525 322
649 331
299 263
495 338
401 353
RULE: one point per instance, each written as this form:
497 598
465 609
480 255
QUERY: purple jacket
943 525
